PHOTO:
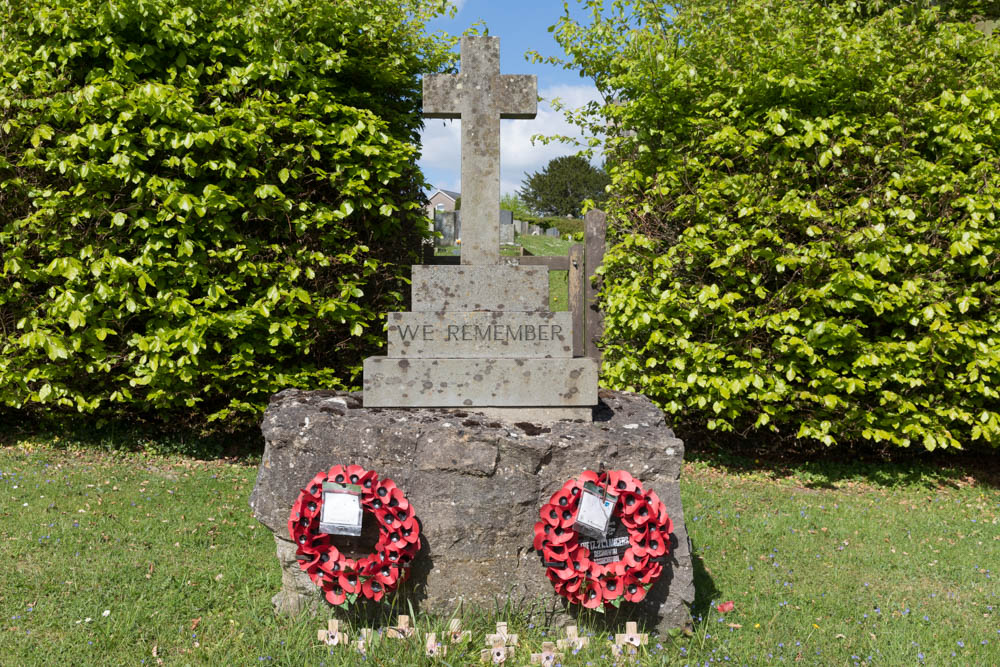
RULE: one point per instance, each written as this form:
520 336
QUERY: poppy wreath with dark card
344 579
568 564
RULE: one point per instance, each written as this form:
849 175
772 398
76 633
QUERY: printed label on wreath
612 548
341 512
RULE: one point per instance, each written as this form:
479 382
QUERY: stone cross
480 96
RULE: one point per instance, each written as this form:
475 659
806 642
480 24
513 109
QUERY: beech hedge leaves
203 201
804 209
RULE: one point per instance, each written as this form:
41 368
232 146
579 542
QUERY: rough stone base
476 483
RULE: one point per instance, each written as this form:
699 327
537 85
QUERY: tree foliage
203 201
515 205
563 185
804 215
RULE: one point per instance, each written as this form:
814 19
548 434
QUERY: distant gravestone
506 217
552 231
481 334
446 222
506 233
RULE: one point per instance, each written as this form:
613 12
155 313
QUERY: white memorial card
341 512
595 510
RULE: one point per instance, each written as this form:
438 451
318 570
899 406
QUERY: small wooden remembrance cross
332 636
480 96
548 656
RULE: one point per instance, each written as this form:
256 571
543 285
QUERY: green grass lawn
113 558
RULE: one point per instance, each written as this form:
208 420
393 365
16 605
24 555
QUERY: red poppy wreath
344 579
569 566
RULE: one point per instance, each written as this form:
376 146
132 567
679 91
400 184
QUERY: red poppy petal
333 557
565 573
561 536
656 544
541 536
618 568
589 476
592 596
652 573
622 480
634 591
315 486
633 560
311 563
410 531
383 490
354 473
597 570
387 575
549 514
667 526
611 588
397 499
349 582
335 472
336 595
630 502
726 607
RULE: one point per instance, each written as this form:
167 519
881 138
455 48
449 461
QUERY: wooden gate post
575 282
595 231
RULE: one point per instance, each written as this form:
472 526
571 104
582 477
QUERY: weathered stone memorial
479 411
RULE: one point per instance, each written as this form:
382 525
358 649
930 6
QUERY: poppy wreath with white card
344 579
569 564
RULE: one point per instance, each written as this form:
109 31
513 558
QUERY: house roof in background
449 193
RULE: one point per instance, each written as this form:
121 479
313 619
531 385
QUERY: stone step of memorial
480 334
453 383
488 287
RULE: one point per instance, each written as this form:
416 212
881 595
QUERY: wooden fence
581 265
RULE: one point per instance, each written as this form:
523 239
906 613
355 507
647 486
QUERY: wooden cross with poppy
432 649
402 630
364 639
630 637
548 656
332 635
502 645
456 633
573 641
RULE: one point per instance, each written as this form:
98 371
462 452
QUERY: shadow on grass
825 468
704 588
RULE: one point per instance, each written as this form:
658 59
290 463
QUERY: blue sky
521 25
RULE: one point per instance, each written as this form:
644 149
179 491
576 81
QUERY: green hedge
203 201
805 233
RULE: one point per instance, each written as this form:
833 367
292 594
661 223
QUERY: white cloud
441 141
